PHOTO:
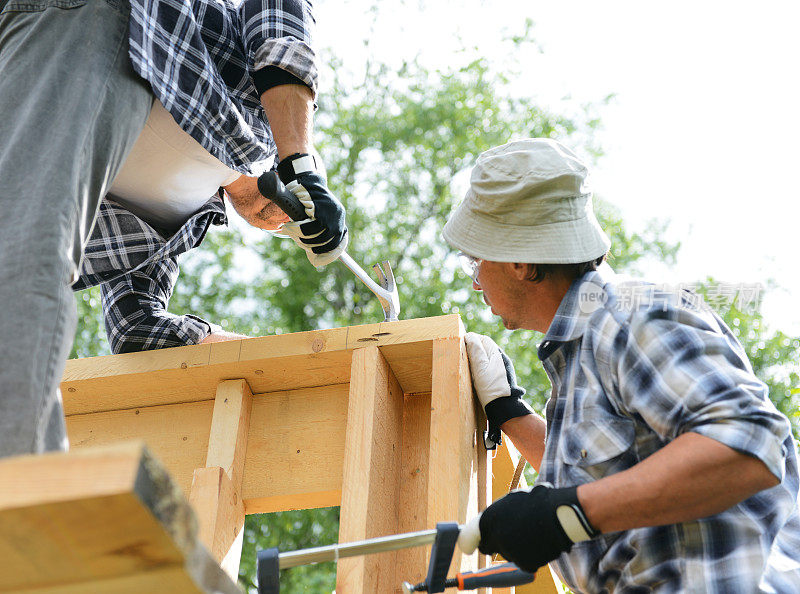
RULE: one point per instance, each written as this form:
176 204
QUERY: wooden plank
295 444
220 512
268 363
227 444
216 490
371 474
275 503
68 520
295 448
412 563
176 433
170 578
453 471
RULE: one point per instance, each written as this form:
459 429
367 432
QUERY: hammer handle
272 187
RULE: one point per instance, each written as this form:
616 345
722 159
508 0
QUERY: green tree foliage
394 143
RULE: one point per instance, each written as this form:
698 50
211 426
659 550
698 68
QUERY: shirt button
584 453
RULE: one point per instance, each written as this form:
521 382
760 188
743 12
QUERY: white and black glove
323 235
530 528
495 383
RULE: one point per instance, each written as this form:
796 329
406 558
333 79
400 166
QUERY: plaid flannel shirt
137 266
632 368
199 57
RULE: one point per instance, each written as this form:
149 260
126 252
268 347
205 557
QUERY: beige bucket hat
528 202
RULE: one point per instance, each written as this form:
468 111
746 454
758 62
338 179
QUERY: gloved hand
531 528
324 234
495 383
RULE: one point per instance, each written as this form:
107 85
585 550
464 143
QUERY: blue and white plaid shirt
633 367
199 56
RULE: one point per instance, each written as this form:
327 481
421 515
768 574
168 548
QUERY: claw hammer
271 187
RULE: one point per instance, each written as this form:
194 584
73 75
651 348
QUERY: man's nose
476 286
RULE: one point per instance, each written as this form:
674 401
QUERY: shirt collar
585 296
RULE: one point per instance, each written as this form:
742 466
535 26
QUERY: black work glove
495 383
323 235
531 528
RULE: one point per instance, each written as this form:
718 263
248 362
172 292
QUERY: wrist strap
293 165
571 516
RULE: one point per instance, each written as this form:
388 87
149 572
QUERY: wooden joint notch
216 489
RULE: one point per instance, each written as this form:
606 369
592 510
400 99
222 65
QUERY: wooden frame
379 419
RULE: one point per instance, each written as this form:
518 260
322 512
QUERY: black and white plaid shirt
200 57
207 61
137 266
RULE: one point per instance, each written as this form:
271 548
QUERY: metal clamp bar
352 549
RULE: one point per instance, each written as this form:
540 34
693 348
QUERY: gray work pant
71 108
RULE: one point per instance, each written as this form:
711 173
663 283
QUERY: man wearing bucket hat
663 465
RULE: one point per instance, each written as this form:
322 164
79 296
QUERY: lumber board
295 449
99 520
177 434
216 489
294 453
268 364
230 422
412 563
371 474
453 471
220 513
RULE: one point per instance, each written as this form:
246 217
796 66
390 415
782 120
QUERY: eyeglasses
470 266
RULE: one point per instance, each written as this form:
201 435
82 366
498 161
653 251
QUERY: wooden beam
412 563
453 493
295 449
295 444
268 363
371 477
227 444
216 490
220 513
176 433
101 520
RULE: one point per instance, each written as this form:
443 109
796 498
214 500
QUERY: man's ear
521 270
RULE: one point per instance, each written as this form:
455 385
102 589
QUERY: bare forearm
222 336
290 110
692 477
527 434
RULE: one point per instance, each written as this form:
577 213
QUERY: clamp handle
268 571
441 555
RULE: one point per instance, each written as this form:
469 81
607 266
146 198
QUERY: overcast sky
704 129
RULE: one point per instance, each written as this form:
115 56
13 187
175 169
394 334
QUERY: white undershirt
168 176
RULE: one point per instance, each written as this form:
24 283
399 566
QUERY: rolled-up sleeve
136 316
278 33
684 371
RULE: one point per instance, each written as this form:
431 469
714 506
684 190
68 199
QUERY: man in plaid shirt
156 103
663 465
